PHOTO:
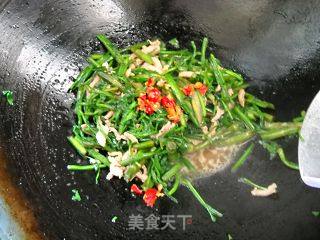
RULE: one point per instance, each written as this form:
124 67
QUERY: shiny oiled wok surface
43 44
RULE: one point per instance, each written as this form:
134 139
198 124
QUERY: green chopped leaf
114 219
76 196
229 236
316 213
174 42
8 94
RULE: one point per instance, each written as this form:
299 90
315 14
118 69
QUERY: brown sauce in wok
211 160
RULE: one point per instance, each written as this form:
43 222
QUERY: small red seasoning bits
168 102
202 88
136 190
174 111
153 94
150 82
149 196
152 100
189 89
149 102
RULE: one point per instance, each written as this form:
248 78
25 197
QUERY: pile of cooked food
141 110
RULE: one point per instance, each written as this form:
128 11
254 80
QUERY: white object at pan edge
309 145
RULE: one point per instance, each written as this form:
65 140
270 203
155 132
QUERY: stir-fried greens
140 110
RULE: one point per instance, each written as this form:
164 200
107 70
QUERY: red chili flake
167 102
144 104
150 82
148 108
174 113
203 89
141 102
188 90
143 97
150 197
154 94
135 189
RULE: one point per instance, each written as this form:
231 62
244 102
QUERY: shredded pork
108 115
142 175
166 128
271 189
205 130
138 62
159 188
187 74
109 128
157 63
130 137
218 115
153 48
115 170
93 83
129 73
150 67
241 98
95 80
161 83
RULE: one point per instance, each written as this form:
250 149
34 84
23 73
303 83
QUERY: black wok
43 44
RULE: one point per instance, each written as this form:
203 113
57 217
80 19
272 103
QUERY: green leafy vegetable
212 212
316 213
174 42
114 219
243 158
9 95
286 161
76 196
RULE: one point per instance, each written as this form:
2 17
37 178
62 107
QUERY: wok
43 44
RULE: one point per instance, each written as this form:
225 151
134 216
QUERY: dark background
43 44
